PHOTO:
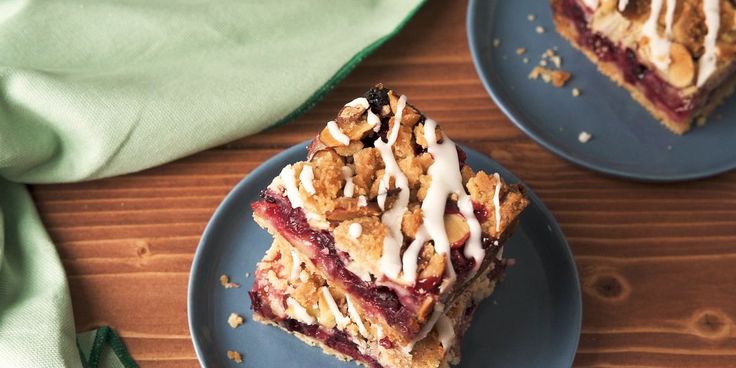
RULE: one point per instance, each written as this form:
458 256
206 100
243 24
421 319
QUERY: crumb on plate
539 29
235 320
496 42
576 92
520 51
225 281
557 78
531 17
584 137
235 356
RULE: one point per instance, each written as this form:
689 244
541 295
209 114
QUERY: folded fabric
96 88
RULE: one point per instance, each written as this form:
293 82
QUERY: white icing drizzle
340 319
355 230
473 246
707 63
296 265
670 17
362 202
445 331
592 4
306 177
336 133
411 255
497 201
349 189
303 276
446 180
622 4
390 262
356 317
374 121
379 331
300 313
359 102
292 192
658 46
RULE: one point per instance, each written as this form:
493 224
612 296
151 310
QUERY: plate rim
509 109
231 196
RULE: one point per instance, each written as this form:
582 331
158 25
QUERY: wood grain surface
657 262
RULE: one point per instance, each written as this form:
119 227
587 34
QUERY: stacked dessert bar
676 57
385 240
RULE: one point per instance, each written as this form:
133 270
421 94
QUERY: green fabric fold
97 88
36 323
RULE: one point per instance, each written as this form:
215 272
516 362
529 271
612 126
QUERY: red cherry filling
657 90
335 339
399 311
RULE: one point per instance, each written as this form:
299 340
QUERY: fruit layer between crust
395 308
648 89
340 335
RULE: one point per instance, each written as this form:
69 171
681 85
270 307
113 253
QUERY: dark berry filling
377 98
399 311
292 222
335 339
657 90
386 343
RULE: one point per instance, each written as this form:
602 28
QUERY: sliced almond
457 229
681 72
348 209
315 146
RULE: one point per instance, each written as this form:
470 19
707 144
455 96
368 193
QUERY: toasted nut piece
315 146
350 149
681 72
457 229
411 221
328 139
425 310
353 122
409 116
433 267
348 209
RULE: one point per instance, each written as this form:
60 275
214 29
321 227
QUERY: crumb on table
225 281
539 29
235 356
496 42
584 137
576 92
235 320
520 51
531 17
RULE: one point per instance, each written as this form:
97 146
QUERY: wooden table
657 262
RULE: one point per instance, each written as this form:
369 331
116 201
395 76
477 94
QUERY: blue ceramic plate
533 319
627 142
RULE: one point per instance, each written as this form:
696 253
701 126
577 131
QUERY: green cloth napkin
91 89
